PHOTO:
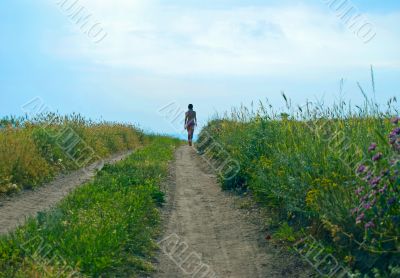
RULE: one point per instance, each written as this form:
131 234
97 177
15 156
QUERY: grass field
106 227
332 173
34 151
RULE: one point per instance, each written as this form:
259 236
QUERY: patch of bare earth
15 209
203 226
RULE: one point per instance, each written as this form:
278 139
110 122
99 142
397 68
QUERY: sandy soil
15 209
207 236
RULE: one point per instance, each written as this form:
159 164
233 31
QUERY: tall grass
34 151
315 167
105 228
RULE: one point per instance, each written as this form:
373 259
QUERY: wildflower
354 211
383 189
361 169
368 176
360 218
385 172
359 190
395 120
375 181
395 131
311 197
377 157
372 147
370 224
349 259
391 201
365 197
367 206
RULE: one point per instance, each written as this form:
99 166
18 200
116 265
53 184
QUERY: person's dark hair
190 106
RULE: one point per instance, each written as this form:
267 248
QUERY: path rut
14 210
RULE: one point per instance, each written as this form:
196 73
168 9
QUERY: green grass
302 165
33 151
106 227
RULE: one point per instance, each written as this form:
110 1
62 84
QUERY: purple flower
375 181
395 120
391 201
359 190
360 218
367 206
370 224
368 176
395 131
365 197
385 172
372 147
361 169
354 211
383 189
377 157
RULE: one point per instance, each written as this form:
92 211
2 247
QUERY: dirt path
14 210
202 222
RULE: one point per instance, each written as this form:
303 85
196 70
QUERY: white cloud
161 39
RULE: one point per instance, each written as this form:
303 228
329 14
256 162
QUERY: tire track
14 210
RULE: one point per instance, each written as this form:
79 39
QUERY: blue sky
214 54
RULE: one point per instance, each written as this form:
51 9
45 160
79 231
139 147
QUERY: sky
133 58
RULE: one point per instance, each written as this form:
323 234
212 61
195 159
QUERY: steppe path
15 209
204 228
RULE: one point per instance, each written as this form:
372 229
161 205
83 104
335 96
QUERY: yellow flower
311 196
265 162
324 182
349 259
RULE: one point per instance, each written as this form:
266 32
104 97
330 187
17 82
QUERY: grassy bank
103 228
332 173
33 152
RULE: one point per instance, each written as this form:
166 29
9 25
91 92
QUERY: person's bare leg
190 135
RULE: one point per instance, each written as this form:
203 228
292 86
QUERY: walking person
190 123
